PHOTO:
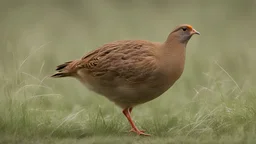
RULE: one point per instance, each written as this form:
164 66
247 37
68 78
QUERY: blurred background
37 35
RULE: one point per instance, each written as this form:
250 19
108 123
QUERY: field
213 102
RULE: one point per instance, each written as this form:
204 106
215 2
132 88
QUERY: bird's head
183 33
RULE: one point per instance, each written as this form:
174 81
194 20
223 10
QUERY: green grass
213 102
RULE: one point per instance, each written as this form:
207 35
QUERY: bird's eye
184 29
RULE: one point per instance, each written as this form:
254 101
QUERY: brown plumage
132 72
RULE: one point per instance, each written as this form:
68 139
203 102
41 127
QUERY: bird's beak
195 32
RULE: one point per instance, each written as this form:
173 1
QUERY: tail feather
60 74
63 70
62 66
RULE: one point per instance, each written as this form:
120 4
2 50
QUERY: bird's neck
174 49
174 53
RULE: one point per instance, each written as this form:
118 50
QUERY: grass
213 102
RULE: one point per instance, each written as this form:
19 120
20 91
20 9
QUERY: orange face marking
190 27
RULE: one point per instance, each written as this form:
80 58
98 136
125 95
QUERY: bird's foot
140 132
132 130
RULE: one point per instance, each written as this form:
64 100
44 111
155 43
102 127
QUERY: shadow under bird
132 72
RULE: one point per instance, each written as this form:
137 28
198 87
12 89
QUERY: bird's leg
132 129
130 110
126 112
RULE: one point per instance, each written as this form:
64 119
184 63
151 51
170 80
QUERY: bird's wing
132 61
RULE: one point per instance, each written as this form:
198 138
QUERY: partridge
132 72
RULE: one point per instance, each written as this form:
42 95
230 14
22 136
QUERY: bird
131 72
